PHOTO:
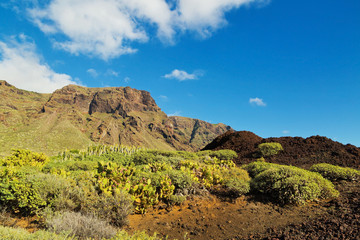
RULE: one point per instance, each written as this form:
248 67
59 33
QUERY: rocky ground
341 220
248 217
256 218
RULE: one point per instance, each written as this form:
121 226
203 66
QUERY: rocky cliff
75 116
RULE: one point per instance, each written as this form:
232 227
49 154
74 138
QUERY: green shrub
181 179
154 177
258 167
170 157
335 173
185 155
172 160
224 154
269 149
145 195
80 226
221 163
28 192
50 187
70 166
143 157
7 233
235 172
18 193
182 154
123 235
159 167
23 157
237 187
83 195
114 208
177 199
287 184
235 182
120 159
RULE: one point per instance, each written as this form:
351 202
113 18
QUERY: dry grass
81 226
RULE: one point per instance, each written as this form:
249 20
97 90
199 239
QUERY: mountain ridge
76 116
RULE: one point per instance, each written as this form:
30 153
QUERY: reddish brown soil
212 218
255 218
297 151
31 224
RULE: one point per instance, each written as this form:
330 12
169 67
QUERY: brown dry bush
79 225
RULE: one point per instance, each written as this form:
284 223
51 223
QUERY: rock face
102 100
302 152
74 117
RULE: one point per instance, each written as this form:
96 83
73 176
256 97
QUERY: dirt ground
255 218
213 218
248 217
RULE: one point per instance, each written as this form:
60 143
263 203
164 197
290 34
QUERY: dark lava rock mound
301 152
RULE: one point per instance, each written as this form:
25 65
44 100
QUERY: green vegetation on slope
102 185
269 149
75 117
335 173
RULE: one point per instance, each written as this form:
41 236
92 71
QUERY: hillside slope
298 151
74 117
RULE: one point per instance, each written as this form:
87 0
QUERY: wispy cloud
127 79
21 66
111 72
176 113
107 28
164 98
183 75
92 72
285 131
257 102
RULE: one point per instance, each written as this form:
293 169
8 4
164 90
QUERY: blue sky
277 68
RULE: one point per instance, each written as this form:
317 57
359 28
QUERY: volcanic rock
298 151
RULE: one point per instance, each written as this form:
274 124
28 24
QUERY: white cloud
164 98
182 75
21 66
92 72
127 79
257 101
206 16
176 113
96 28
107 28
111 72
285 131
